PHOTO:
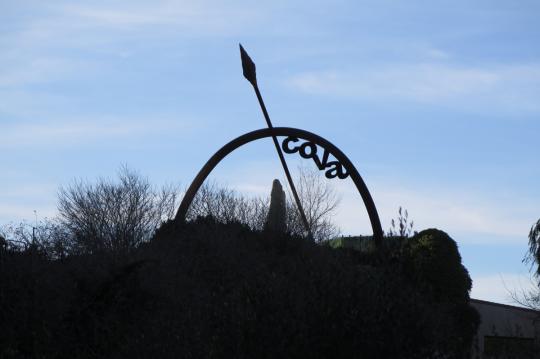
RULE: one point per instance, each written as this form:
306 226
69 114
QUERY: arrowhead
248 66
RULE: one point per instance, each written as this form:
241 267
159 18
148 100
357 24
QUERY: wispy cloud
498 287
66 38
200 16
194 18
13 212
471 216
437 54
508 87
22 103
467 216
111 17
40 69
79 131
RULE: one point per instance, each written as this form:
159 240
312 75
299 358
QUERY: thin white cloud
20 103
111 17
498 287
456 211
437 54
466 216
12 212
83 131
507 87
195 18
40 69
46 45
26 191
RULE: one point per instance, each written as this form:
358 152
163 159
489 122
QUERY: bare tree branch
114 216
318 198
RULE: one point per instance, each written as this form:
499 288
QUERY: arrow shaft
283 162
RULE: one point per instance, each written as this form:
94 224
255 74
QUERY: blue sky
437 104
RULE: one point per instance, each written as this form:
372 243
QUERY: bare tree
47 236
227 206
527 296
114 216
319 200
318 197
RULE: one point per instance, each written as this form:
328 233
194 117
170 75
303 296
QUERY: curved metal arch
289 132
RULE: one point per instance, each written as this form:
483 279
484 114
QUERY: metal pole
248 67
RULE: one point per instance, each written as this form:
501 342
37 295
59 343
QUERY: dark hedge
208 290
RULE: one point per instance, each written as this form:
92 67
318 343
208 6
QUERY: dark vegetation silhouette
394 242
318 198
221 289
114 216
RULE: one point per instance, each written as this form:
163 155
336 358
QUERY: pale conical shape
275 221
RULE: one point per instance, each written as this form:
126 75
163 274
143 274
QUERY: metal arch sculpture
307 149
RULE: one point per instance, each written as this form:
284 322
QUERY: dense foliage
430 261
433 263
209 290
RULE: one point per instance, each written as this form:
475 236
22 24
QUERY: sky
436 104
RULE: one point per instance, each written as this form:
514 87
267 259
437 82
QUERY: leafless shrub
319 201
114 216
47 236
318 198
227 206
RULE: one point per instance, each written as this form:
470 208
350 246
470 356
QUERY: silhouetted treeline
212 290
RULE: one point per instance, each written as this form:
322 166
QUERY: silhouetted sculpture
327 157
275 221
249 69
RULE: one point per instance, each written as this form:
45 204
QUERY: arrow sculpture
248 67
